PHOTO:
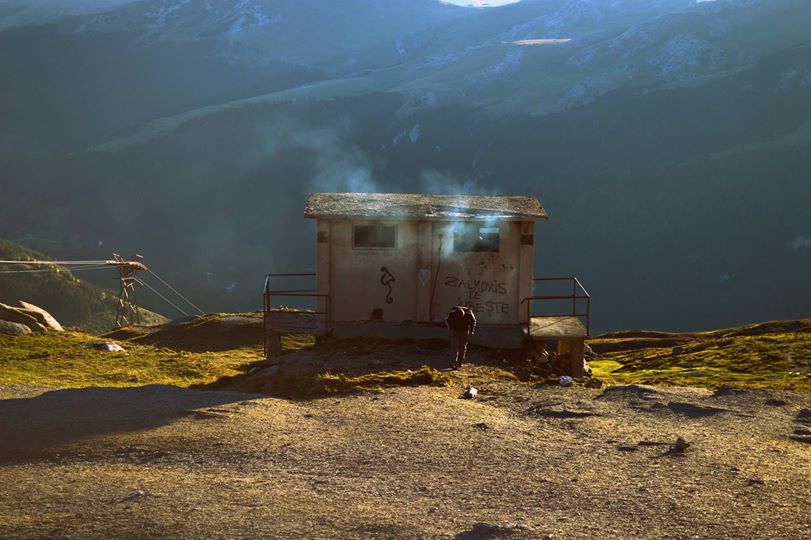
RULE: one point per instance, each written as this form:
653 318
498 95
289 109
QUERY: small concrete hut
390 265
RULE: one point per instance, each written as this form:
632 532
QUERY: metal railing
578 293
269 293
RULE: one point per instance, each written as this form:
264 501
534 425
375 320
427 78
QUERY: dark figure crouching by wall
462 323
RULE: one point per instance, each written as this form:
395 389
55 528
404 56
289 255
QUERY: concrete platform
554 328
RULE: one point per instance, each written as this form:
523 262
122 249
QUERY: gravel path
516 462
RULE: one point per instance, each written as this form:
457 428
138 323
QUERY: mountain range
668 139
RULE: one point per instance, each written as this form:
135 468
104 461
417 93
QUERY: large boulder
43 317
20 316
13 329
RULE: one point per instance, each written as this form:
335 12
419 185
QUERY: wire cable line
75 266
177 293
60 263
148 286
43 270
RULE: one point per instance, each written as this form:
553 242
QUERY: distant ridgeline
70 300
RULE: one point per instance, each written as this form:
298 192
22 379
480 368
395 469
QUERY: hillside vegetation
67 360
224 352
72 301
768 355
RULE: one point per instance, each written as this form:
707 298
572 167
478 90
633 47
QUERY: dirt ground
516 462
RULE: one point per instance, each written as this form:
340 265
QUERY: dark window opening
475 237
375 236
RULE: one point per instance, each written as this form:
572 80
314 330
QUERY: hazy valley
668 140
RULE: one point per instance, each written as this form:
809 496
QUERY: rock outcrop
16 315
13 328
43 317
34 318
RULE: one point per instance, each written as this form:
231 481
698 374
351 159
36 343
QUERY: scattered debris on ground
104 346
681 444
134 496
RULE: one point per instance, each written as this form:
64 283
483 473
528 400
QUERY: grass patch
59 359
313 385
763 356
423 376
777 360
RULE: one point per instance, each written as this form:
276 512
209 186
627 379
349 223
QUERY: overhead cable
177 293
148 286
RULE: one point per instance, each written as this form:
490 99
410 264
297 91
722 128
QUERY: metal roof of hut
423 207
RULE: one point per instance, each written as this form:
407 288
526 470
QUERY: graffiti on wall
472 294
386 279
489 308
476 286
424 275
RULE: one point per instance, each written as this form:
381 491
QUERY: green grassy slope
768 355
223 351
61 359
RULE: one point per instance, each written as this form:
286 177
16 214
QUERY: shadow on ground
35 427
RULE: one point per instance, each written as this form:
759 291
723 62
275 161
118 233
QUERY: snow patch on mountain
541 41
158 15
248 16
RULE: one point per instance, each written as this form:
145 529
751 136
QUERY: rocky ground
516 462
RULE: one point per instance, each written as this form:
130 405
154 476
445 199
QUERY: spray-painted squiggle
387 279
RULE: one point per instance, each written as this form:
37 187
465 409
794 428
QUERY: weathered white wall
357 279
488 283
429 277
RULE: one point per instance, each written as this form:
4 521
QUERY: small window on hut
475 237
374 236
